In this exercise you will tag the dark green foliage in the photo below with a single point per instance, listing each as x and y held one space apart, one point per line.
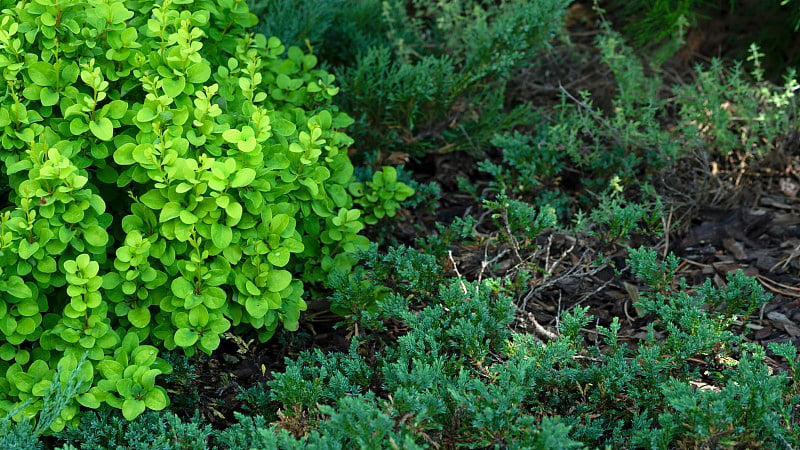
520 220
660 26
459 372
754 114
615 219
429 73
527 161
181 380
359 422
748 411
315 378
652 22
107 428
297 23
337 30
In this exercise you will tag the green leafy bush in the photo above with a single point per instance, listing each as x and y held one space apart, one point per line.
172 178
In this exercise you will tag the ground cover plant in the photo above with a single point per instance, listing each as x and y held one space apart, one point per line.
395 224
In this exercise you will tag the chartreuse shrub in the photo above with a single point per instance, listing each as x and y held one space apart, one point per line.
172 178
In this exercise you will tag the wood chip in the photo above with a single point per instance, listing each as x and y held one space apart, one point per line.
785 322
736 248
774 201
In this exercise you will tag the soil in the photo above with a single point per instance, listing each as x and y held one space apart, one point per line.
728 214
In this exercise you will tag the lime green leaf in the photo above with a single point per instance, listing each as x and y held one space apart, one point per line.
185 337
42 73
27 249
278 280
124 387
198 317
17 288
274 300
145 115
103 129
95 236
27 307
70 72
243 177
144 355
26 134
247 145
219 326
7 351
77 126
325 119
214 297
116 109
47 19
152 198
110 369
291 324
257 307
88 400
182 288
8 325
232 135
221 235
170 211
40 388
156 399
173 87
124 153
252 289
279 257
22 381
293 245
111 280
74 214
338 194
19 166
187 217
209 342
132 408
234 211
279 223
283 127
26 326
198 73
48 97
139 317
147 379
192 301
